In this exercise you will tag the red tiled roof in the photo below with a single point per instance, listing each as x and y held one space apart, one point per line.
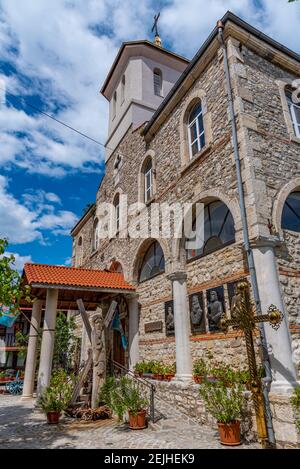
74 277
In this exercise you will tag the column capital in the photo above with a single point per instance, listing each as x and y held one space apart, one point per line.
180 275
131 296
265 242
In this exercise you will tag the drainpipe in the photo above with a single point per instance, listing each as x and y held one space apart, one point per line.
263 342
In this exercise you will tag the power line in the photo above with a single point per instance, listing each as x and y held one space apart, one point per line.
53 118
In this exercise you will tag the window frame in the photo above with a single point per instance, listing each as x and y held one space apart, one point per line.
199 134
95 239
222 245
158 73
153 244
117 213
148 189
114 105
295 122
123 84
286 203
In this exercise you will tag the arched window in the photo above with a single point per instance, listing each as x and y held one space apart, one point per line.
117 168
95 238
114 105
295 112
79 253
196 130
153 262
123 83
117 212
218 229
291 213
157 82
148 179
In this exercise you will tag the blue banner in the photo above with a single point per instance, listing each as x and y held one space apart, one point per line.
7 318
117 326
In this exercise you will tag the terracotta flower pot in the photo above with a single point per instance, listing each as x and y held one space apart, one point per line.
138 421
198 379
230 433
168 376
53 417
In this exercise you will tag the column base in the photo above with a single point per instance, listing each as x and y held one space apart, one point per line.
182 379
26 398
284 387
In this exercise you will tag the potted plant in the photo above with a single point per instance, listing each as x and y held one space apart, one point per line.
225 404
200 370
169 372
158 371
139 369
2 376
124 396
56 397
295 400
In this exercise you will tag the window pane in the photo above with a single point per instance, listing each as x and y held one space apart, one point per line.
195 112
202 141
291 213
218 212
193 132
297 114
195 148
153 262
200 123
218 229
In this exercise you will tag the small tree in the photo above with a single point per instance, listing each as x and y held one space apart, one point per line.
65 341
12 289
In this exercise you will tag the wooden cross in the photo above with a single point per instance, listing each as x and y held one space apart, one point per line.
154 27
244 319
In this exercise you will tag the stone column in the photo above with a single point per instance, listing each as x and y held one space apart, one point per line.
279 342
47 340
32 350
182 327
133 307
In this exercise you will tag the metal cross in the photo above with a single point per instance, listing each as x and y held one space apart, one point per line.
154 27
244 319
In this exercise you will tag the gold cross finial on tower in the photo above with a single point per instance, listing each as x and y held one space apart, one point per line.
157 39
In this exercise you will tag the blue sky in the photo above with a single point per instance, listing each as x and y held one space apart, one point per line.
56 54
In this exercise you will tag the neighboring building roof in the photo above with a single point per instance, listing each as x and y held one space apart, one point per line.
45 275
226 18
138 43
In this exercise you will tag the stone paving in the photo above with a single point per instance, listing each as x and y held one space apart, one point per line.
21 426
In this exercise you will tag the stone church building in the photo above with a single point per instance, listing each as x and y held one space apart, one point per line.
172 138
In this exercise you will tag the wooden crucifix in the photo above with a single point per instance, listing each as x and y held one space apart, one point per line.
96 352
245 320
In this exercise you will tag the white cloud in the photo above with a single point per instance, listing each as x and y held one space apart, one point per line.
65 48
33 219
19 260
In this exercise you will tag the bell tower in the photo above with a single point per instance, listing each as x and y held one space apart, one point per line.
140 78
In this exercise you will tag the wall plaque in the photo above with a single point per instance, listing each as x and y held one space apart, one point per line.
156 326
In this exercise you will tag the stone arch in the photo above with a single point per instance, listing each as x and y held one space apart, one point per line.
280 200
141 181
191 100
139 256
207 196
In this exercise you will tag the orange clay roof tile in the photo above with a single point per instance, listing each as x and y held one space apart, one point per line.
74 277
